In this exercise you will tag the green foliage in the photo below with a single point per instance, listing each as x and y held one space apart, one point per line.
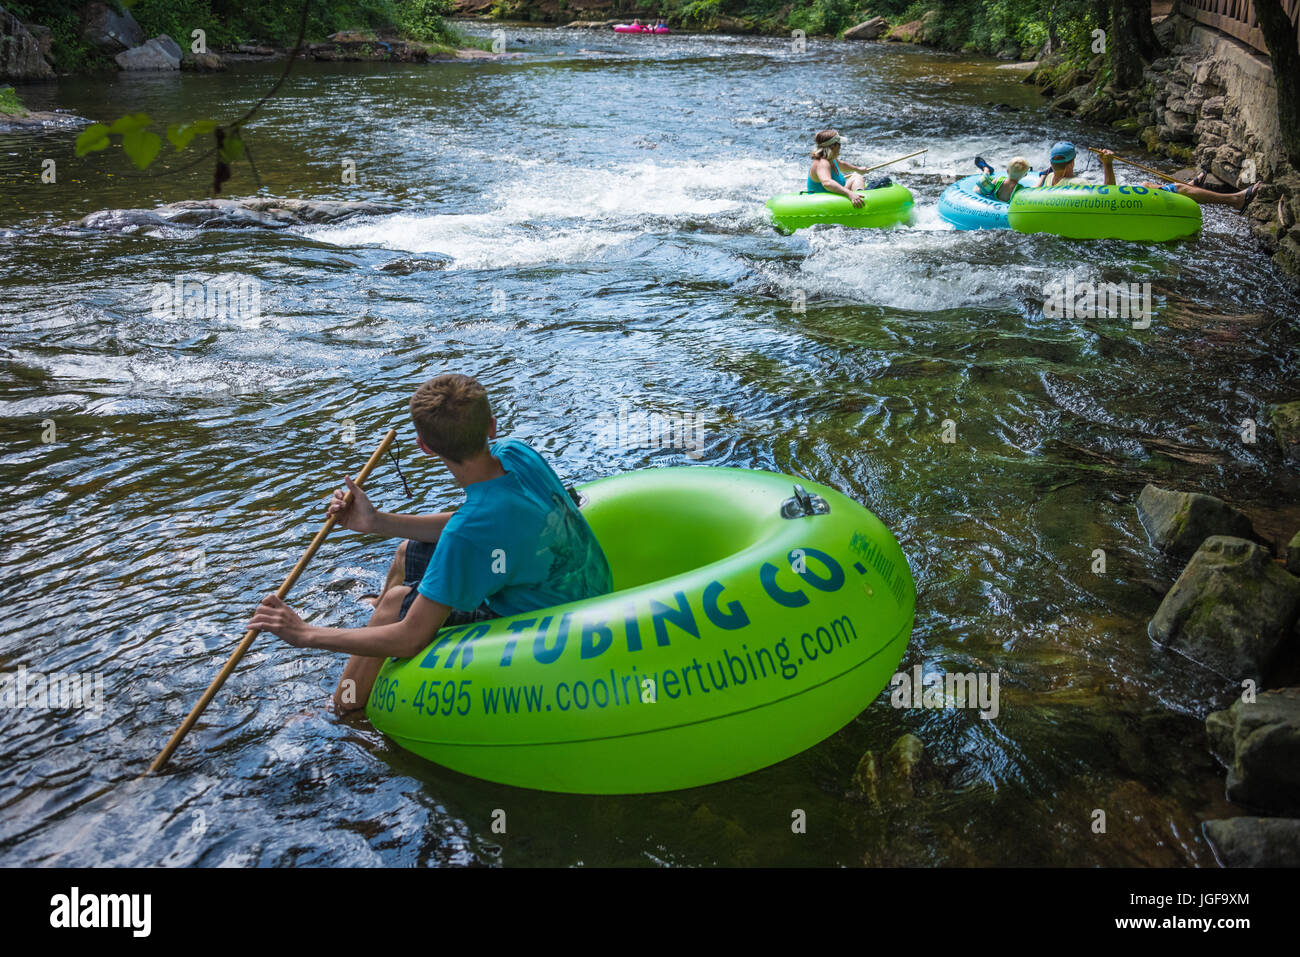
824 17
423 20
9 102
177 18
700 13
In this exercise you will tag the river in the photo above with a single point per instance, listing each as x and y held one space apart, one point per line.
583 229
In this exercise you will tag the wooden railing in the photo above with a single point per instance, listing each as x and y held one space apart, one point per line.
1236 18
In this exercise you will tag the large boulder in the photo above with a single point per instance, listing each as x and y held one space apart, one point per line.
904 32
1293 555
1178 522
109 30
1286 427
160 53
20 52
1259 743
1232 609
203 62
1255 841
867 29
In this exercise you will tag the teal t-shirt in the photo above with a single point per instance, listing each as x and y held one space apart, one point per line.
518 543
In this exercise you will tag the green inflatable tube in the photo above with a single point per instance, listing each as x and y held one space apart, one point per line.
886 206
1136 213
749 621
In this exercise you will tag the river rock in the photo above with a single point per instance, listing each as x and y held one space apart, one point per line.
867 29
1286 428
898 775
38 120
1231 609
203 62
1259 743
1178 522
109 30
1293 555
20 52
160 53
904 32
409 264
257 211
1255 841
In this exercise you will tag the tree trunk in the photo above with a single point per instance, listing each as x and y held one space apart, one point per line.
1127 58
1280 37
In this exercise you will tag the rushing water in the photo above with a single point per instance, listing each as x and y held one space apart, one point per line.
583 230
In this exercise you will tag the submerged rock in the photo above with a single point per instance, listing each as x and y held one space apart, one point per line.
1255 841
1259 744
1231 609
409 264
1286 427
37 120
257 211
900 774
1178 522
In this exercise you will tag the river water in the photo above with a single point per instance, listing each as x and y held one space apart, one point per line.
582 228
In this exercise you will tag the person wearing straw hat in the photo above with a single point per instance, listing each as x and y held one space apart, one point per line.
826 174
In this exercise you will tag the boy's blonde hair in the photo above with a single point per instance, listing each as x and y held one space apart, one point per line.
1018 167
452 416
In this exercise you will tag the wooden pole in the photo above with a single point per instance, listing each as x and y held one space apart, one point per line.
161 761
1145 169
893 161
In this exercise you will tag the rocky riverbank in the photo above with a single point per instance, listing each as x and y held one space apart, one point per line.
1209 103
1235 610
27 49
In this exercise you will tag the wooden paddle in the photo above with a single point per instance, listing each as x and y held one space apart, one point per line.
161 761
893 161
1145 169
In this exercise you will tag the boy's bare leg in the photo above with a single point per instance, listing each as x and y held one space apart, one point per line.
360 672
1207 197
396 570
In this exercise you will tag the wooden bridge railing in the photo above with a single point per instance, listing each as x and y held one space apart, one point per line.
1236 18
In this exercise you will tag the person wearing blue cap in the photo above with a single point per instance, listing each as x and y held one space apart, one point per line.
1062 172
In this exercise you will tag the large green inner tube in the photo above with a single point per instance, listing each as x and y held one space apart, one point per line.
735 638
1136 213
886 206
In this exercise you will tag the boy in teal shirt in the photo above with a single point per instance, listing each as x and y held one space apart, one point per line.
518 544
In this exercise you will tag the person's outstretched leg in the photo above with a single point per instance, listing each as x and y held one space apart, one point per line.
360 672
855 181
1207 197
